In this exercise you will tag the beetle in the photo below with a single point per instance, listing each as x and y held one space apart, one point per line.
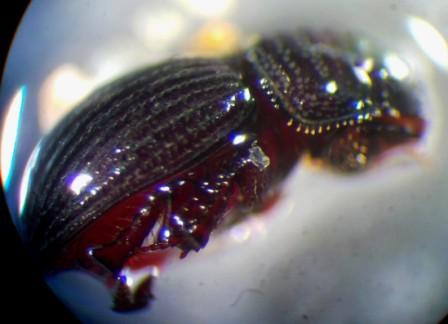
161 157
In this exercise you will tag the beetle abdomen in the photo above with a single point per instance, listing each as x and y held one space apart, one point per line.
134 132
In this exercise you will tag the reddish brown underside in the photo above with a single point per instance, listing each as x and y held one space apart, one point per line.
118 234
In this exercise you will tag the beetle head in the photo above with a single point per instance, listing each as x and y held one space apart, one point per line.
364 138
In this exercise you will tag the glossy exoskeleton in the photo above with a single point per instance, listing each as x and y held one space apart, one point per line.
159 158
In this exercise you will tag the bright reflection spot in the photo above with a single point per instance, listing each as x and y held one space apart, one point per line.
129 281
107 69
209 8
368 64
9 135
239 139
158 28
81 181
359 104
66 86
331 87
430 40
178 221
135 277
241 232
165 188
94 191
26 178
396 67
247 95
215 38
394 112
361 158
362 75
165 234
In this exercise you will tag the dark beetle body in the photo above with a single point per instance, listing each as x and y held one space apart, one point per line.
134 132
159 157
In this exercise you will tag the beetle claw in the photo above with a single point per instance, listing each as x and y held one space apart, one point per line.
128 298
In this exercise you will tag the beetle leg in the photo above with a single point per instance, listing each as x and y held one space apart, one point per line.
349 152
198 203
195 207
118 259
185 211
